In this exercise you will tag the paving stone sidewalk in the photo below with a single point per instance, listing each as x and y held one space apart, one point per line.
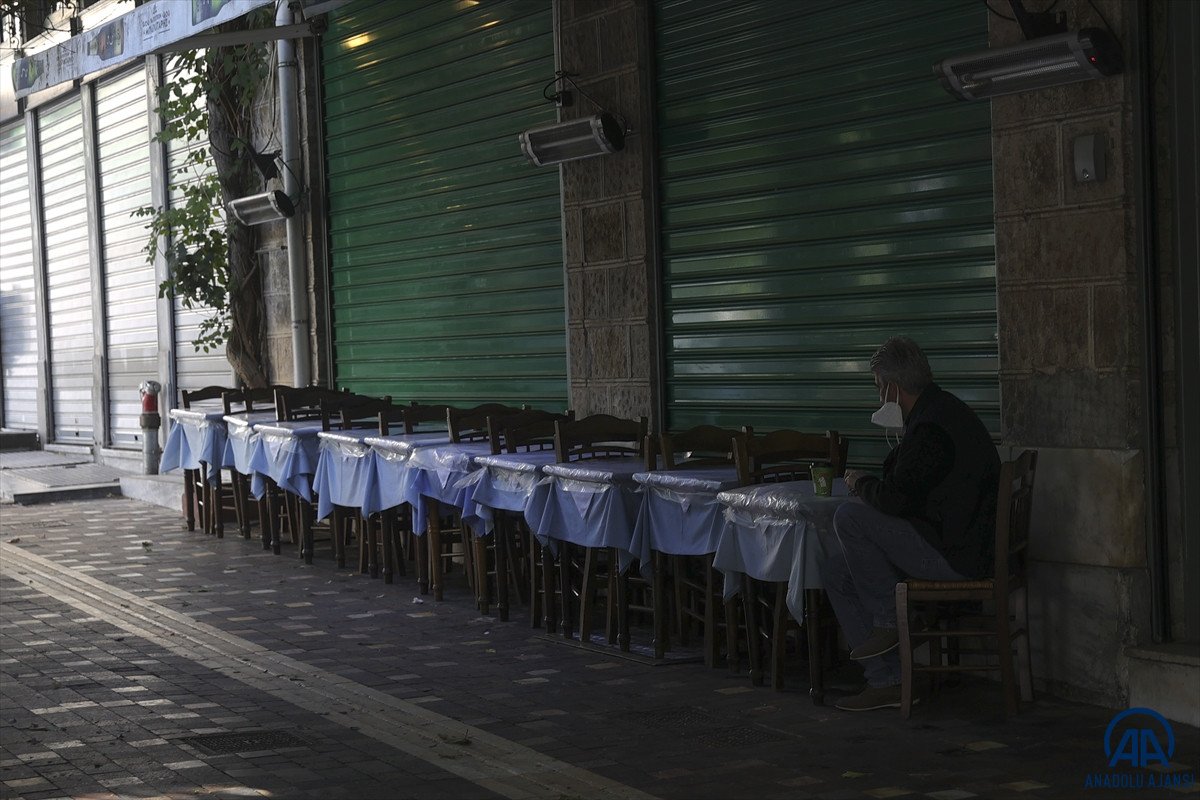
99 705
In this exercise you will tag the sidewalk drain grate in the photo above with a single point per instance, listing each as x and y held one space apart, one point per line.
247 741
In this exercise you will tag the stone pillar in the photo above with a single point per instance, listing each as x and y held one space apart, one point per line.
608 214
1069 327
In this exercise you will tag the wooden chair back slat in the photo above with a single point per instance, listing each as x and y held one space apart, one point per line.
787 455
699 446
530 429
599 436
197 395
470 424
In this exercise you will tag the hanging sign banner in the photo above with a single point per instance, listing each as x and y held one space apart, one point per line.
147 28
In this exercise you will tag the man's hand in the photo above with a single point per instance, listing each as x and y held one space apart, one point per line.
852 478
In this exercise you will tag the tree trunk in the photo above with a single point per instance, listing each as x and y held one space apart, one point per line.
229 127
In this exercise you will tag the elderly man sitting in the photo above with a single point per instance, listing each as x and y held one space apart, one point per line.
931 515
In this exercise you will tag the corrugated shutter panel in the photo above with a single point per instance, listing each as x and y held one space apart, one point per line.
18 309
446 246
123 134
821 192
194 368
68 270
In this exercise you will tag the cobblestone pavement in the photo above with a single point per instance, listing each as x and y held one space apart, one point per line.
128 646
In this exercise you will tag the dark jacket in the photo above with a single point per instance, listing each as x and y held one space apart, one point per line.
942 478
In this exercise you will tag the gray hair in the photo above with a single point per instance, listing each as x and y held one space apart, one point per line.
901 361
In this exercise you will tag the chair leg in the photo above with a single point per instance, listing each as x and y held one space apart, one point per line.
750 610
266 524
906 650
338 522
812 632
731 634
189 498
500 543
422 559
1024 664
587 588
433 513
660 617
779 628
564 588
379 522
216 509
1004 648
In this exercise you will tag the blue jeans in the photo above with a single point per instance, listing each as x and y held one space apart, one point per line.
866 555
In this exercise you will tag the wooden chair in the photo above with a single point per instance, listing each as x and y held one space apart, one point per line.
239 401
360 413
696 589
503 560
777 456
471 424
1005 594
596 436
204 496
309 403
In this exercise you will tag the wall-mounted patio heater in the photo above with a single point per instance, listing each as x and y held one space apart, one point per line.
1039 63
574 139
256 209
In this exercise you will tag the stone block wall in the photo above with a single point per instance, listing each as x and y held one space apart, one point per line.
1069 329
608 214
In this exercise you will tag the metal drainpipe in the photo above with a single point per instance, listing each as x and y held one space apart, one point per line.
289 125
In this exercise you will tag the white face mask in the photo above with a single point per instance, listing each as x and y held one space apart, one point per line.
889 415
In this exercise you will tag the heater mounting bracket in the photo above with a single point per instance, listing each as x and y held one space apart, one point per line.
1036 24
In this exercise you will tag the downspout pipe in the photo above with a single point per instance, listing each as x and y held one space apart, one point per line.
289 128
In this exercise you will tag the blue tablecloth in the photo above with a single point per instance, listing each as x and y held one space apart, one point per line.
197 435
394 481
345 473
772 533
593 503
287 452
502 482
679 513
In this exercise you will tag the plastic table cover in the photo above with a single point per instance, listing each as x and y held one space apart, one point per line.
241 441
680 514
287 452
435 472
345 473
592 503
772 532
392 482
197 436
502 482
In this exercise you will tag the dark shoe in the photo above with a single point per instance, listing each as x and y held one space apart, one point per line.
871 698
881 640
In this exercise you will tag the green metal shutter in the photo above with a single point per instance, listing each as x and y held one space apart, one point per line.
446 246
820 192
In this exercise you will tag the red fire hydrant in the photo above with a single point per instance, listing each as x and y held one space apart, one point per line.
150 422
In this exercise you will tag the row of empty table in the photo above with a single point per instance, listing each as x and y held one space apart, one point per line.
770 532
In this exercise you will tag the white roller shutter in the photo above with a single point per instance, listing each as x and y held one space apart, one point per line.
123 135
18 305
68 271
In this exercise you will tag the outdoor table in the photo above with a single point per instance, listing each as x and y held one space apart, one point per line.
772 533
345 478
392 488
591 503
196 443
505 483
287 453
433 473
240 444
680 514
